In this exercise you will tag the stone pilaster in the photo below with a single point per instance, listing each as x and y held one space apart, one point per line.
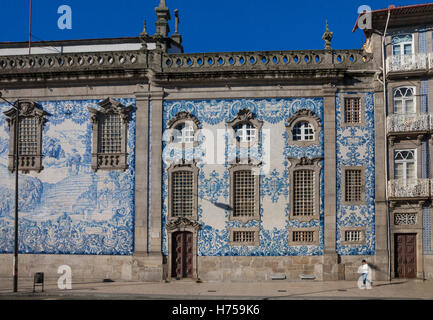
330 257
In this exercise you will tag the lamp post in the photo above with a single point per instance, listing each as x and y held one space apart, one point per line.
16 154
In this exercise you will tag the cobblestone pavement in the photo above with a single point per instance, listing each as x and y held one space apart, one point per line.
268 290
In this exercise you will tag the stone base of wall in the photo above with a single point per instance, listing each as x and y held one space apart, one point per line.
128 268
264 268
151 268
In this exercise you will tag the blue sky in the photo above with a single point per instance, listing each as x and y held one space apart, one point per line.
206 26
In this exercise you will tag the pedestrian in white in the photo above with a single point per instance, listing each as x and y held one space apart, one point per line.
365 280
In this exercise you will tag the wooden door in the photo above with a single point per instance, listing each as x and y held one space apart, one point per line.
405 255
182 255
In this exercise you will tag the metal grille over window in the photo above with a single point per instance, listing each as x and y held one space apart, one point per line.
353 183
303 131
401 219
110 134
303 236
244 193
353 236
182 194
303 193
243 236
352 110
28 142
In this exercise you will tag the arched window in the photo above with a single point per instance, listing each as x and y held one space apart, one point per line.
404 100
245 132
303 128
184 133
246 128
303 131
183 130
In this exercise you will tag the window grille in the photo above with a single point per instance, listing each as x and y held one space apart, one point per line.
353 182
244 236
303 236
244 193
110 134
182 193
245 132
303 200
405 219
303 131
352 110
353 235
28 142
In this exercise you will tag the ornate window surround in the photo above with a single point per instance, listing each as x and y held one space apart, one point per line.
114 161
306 164
256 242
241 167
343 238
304 115
183 117
245 116
343 186
315 231
184 166
27 108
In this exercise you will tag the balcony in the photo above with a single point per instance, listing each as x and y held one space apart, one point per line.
413 189
420 123
408 62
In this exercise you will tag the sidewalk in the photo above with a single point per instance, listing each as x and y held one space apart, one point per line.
281 289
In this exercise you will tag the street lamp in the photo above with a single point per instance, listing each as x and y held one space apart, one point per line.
16 153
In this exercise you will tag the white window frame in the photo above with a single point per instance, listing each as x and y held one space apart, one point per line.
183 135
404 99
303 127
402 44
405 162
241 132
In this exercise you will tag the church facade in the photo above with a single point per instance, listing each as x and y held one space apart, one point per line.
138 161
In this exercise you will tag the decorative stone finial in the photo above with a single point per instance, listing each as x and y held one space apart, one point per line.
144 33
162 4
176 15
176 36
327 37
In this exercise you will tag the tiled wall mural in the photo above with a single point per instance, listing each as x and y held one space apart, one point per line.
355 147
67 208
213 183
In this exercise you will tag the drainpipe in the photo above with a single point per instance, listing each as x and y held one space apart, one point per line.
385 100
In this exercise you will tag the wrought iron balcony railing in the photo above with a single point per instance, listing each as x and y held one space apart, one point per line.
406 123
407 62
409 188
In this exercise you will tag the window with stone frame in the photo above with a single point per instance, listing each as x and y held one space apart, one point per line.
244 236
303 193
353 182
352 235
30 130
305 190
245 128
303 128
110 125
404 100
182 193
182 130
244 193
352 110
303 236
